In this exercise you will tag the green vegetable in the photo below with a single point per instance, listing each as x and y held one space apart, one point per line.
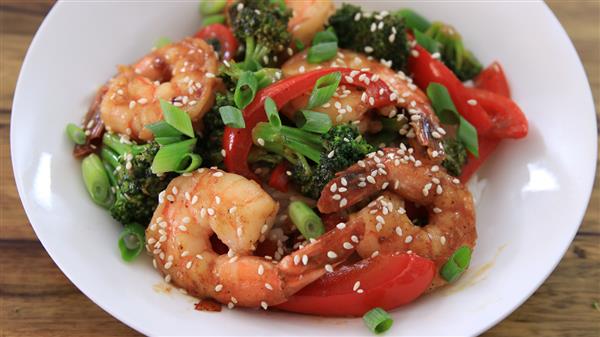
324 89
136 186
299 45
245 89
262 26
596 305
324 47
287 141
313 121
306 220
173 157
212 19
177 118
378 320
413 20
210 147
131 241
76 134
232 117
163 129
96 180
361 32
272 113
426 42
210 7
457 264
446 111
456 156
453 53
162 41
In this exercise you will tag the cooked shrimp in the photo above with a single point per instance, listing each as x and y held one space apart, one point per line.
240 213
424 122
387 228
182 73
308 18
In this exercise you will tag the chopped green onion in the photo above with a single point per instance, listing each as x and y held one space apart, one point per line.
306 220
299 45
111 175
413 20
189 162
276 140
168 140
427 42
212 19
110 157
272 113
267 76
313 121
209 7
169 157
324 36
322 52
177 118
457 264
324 89
280 3
76 134
232 117
162 41
131 241
96 180
378 320
245 89
163 129
447 113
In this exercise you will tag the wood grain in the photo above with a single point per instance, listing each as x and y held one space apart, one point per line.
36 299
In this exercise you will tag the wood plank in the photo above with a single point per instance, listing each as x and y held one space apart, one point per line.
38 300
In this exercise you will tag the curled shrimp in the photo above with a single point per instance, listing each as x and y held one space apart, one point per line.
308 18
425 126
385 226
181 73
240 213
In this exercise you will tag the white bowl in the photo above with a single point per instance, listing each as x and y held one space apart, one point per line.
534 198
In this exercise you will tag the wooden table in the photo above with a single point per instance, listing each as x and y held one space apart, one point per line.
37 299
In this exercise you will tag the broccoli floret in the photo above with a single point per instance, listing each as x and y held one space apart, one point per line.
299 147
456 156
378 35
453 53
210 146
262 26
136 187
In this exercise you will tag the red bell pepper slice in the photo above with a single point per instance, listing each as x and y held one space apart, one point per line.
238 142
486 147
387 281
493 79
224 35
509 121
279 179
426 69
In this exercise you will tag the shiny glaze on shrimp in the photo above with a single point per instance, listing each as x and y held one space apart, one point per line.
182 73
308 18
240 213
387 228
424 122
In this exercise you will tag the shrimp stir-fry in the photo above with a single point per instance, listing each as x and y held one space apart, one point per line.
240 213
181 73
347 105
387 228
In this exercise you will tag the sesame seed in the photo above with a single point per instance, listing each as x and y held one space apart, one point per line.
268 286
378 227
371 101
435 180
182 228
331 254
336 197
210 211
347 245
305 259
210 75
329 268
168 265
168 278
131 104
199 257
435 168
296 259
443 240
414 53
472 102
379 218
301 69
331 154
218 287
368 49
375 253
217 199
232 209
341 225
260 141
264 305
408 239
344 181
333 188
343 189
354 238
371 179
456 181
399 231
360 291
188 265
343 202
437 210
439 189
